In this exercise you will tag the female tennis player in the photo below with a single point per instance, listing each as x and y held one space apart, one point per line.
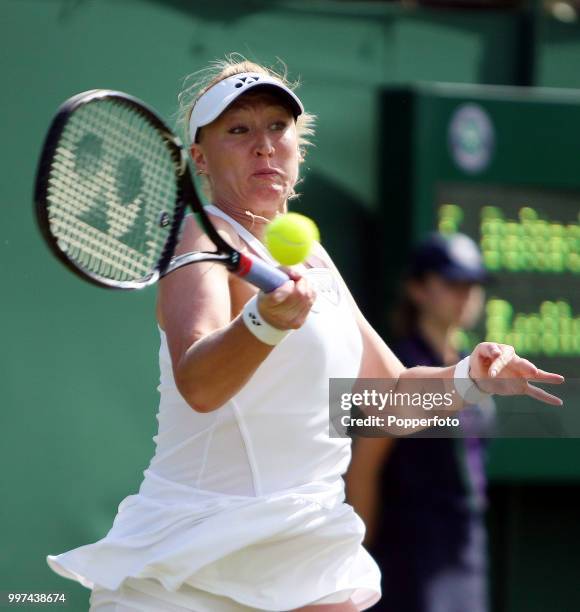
242 506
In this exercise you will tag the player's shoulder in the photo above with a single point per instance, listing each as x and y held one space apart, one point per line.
196 233
321 253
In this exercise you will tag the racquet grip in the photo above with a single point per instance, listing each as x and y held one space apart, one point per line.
259 273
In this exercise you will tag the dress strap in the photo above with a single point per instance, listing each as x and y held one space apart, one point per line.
243 233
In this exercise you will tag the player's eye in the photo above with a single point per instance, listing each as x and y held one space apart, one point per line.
238 129
279 125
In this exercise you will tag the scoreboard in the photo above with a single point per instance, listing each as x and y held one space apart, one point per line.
530 244
502 165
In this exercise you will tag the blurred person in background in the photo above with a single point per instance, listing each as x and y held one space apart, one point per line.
423 499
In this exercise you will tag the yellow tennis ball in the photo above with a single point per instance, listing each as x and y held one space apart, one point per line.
290 237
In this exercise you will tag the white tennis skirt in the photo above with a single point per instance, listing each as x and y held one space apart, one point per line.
146 595
196 550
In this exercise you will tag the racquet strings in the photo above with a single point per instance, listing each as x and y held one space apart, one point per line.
112 189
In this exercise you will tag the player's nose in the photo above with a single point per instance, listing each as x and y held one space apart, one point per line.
263 146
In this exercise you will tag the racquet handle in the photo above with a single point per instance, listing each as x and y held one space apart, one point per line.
260 273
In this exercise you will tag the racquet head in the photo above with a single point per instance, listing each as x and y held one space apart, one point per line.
112 187
111 190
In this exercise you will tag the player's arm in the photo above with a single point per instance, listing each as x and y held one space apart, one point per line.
212 355
495 366
363 480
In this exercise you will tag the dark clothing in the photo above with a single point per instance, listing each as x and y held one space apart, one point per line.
431 541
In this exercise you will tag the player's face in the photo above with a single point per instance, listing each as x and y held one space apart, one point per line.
250 154
456 304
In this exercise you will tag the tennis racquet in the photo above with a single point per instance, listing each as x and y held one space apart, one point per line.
112 188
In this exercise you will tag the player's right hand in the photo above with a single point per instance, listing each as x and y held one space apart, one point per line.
287 306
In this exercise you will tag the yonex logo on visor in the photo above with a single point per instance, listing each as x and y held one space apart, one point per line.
218 97
244 80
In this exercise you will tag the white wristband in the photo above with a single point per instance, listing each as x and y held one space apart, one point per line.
465 385
266 333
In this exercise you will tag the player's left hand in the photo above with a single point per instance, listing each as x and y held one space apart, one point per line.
497 369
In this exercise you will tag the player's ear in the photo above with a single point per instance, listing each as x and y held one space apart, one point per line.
198 158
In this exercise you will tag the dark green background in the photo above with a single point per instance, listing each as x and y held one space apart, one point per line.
79 365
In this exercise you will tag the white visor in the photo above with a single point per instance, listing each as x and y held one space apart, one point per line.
217 98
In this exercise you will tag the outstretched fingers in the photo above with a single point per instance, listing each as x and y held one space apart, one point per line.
492 359
542 396
522 367
548 377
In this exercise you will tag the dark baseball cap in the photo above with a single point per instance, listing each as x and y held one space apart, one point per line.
455 257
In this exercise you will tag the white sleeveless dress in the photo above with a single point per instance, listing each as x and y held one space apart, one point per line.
245 503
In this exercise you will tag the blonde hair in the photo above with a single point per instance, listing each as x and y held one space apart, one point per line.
197 83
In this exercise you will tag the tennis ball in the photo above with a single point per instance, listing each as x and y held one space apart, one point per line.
290 237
